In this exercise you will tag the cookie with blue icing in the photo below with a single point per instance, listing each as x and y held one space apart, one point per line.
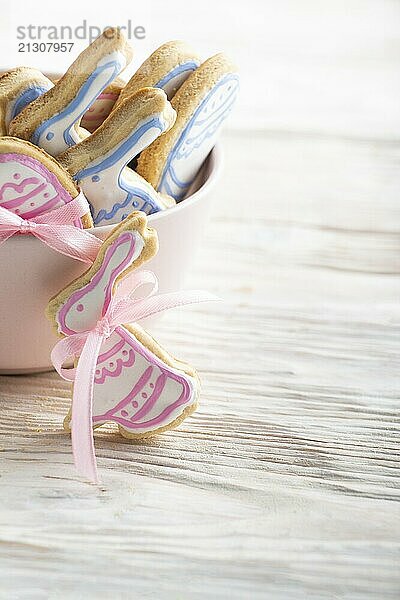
202 103
167 68
98 163
52 121
18 88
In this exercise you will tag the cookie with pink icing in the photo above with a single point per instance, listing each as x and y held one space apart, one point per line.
137 384
102 106
52 121
98 163
33 183
18 88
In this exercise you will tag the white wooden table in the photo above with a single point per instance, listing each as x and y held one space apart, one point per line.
285 483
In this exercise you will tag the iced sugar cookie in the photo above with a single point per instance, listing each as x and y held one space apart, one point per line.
167 68
18 88
98 164
202 103
137 384
52 121
102 106
32 182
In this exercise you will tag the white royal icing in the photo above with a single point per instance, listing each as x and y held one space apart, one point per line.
27 188
198 138
119 370
132 386
86 311
173 80
115 190
58 133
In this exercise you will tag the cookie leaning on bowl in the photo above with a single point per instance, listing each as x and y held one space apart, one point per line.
18 88
33 183
97 164
167 68
52 121
202 103
137 384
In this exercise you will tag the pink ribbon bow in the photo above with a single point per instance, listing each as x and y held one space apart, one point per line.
123 308
53 229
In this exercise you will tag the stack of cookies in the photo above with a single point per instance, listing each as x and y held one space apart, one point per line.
128 147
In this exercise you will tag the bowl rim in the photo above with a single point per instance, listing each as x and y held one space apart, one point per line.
212 165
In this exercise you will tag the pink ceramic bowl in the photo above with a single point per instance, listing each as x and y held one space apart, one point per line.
31 273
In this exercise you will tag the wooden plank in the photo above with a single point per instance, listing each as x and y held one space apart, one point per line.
285 483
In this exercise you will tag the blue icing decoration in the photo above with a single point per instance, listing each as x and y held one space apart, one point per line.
189 140
122 150
76 102
136 196
148 205
27 96
183 68
95 178
50 135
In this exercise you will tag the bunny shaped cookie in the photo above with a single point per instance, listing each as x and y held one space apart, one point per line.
98 163
52 120
137 384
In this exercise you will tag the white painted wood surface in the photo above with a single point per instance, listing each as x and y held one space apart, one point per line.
285 484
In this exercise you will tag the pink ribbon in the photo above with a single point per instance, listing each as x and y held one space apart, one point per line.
52 229
123 308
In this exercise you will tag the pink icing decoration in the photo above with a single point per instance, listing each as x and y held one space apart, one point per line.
119 365
171 389
80 294
126 404
137 404
32 188
96 114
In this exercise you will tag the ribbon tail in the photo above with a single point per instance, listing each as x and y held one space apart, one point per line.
146 307
82 401
68 347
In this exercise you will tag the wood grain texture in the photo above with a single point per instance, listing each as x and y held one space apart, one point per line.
285 483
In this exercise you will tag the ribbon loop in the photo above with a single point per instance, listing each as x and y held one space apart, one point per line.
123 308
55 229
